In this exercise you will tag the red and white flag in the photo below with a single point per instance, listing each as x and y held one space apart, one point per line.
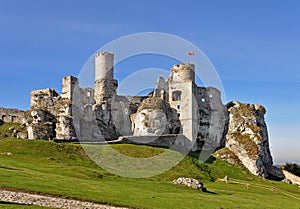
190 53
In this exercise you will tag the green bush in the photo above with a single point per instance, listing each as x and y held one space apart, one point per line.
292 168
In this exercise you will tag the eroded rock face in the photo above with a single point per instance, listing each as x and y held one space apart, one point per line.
155 117
40 124
247 138
289 177
151 122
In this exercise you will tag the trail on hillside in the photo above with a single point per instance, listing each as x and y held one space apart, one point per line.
31 198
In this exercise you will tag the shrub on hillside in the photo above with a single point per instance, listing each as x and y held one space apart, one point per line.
292 168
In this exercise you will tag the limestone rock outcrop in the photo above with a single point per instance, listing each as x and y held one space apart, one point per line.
190 182
22 135
289 177
247 138
155 117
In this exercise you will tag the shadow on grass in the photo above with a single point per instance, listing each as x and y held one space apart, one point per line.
196 155
209 192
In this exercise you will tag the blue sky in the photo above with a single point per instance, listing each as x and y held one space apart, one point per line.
254 45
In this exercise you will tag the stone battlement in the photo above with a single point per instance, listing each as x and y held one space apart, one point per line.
103 54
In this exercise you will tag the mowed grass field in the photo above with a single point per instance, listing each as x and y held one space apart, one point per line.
65 170
9 205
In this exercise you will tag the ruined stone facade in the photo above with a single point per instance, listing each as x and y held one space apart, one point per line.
178 113
176 106
9 115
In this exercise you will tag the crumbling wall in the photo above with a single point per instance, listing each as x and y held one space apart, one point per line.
50 114
212 119
43 99
64 128
161 89
41 117
122 111
40 124
9 115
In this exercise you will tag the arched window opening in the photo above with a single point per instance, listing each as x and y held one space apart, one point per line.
176 95
13 119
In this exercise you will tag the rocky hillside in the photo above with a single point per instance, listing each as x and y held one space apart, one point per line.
247 139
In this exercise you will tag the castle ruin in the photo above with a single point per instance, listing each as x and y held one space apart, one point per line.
9 115
177 106
176 114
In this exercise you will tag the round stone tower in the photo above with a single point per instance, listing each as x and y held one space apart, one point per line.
182 98
105 84
183 72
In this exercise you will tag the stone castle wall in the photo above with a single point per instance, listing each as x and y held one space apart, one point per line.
177 112
9 115
212 119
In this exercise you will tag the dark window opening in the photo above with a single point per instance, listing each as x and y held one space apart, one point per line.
176 95
13 119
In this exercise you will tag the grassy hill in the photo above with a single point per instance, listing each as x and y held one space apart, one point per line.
65 170
4 128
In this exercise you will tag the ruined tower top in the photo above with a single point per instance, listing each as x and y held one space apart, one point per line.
68 85
183 72
104 66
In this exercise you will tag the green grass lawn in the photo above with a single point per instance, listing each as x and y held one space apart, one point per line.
9 205
65 170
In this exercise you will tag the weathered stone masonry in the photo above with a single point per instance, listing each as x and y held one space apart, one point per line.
9 115
176 109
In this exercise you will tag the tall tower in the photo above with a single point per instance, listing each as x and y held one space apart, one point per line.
182 97
68 85
105 84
